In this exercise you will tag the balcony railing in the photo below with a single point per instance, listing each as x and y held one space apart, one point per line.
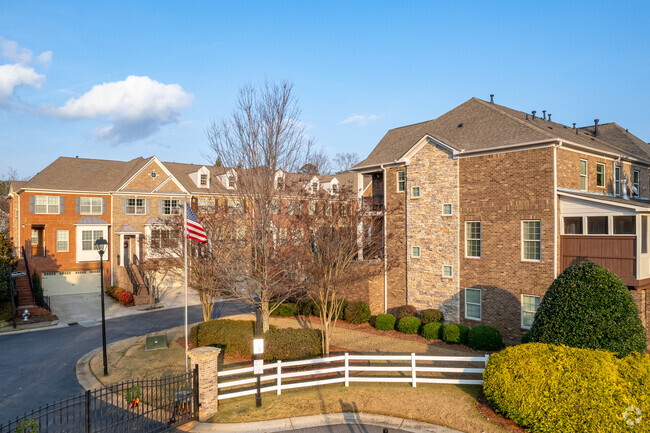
373 204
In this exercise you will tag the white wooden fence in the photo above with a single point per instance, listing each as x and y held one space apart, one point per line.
396 364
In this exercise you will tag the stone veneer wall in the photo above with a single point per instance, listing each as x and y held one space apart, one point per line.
502 190
395 209
436 173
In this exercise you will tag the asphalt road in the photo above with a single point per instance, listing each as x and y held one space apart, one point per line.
39 367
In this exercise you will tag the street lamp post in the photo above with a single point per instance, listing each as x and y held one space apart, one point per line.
101 245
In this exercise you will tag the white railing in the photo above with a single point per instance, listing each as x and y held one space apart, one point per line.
356 364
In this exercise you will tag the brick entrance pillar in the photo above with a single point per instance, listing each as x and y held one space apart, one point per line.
206 359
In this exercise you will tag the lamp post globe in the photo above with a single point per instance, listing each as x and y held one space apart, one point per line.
101 245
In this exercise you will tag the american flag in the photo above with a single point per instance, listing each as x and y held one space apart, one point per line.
193 227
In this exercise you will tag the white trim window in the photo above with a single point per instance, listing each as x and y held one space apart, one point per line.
46 204
473 239
529 306
135 206
171 207
617 180
600 175
90 206
416 252
62 241
635 183
415 192
531 240
86 238
203 179
235 206
447 271
401 181
583 175
473 309
206 204
447 209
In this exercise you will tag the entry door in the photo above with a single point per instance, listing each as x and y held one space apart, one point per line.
127 253
37 243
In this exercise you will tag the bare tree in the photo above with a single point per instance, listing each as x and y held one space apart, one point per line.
344 161
265 138
319 163
12 174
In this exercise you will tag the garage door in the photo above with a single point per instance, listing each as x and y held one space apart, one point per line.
67 283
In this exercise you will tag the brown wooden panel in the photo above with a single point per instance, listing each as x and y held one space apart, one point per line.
616 253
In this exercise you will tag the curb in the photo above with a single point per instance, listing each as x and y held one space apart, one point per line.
43 326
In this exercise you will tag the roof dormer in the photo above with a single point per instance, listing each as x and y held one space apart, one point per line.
229 179
314 185
201 177
280 179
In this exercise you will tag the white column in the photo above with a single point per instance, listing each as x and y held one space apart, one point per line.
121 250
137 247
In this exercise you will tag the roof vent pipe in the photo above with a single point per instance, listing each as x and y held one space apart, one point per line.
526 116
596 126
544 112
549 117
534 114
491 98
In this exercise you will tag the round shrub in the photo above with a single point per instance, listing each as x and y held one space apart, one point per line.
385 322
357 313
549 388
588 306
406 311
455 334
431 330
288 309
307 307
409 325
483 337
432 315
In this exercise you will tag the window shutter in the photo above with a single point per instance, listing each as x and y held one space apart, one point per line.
104 203
77 207
62 205
160 206
147 206
124 206
31 204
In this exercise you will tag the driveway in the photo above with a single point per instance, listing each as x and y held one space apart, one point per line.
39 367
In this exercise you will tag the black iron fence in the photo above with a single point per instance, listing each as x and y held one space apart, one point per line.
135 406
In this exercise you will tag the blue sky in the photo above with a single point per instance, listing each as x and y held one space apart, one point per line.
65 66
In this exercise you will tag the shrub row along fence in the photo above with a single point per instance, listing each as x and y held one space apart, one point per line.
413 369
134 406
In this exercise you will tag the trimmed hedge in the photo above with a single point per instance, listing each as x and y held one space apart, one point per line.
455 334
406 311
357 313
409 325
483 337
432 330
588 306
288 309
551 388
385 322
432 315
307 307
235 337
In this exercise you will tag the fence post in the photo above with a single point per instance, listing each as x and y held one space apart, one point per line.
206 358
279 380
413 368
88 411
347 371
487 358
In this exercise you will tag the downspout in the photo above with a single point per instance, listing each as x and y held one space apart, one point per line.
555 214
385 240
112 244
406 235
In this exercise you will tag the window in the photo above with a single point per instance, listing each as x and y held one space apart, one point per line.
335 188
447 271
624 225
135 206
446 209
617 180
240 235
206 204
204 179
312 208
282 236
296 235
88 239
231 181
35 237
279 182
473 304
235 206
600 175
635 183
415 192
532 240
62 241
275 207
90 206
529 306
328 209
314 187
46 204
401 181
572 225
162 238
415 252
597 225
583 175
293 207
473 239
171 207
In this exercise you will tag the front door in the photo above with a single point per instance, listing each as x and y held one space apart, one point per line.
127 253
37 243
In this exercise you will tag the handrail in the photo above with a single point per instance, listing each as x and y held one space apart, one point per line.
29 275
134 280
145 280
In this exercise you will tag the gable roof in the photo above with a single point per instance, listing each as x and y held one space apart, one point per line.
480 125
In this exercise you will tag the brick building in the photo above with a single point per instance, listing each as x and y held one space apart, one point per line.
485 206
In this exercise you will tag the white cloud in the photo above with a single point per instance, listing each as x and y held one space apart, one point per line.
12 76
359 119
137 107
10 50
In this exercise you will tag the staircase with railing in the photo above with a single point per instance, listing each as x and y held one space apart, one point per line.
139 280
28 297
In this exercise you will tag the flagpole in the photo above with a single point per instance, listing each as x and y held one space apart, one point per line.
185 233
